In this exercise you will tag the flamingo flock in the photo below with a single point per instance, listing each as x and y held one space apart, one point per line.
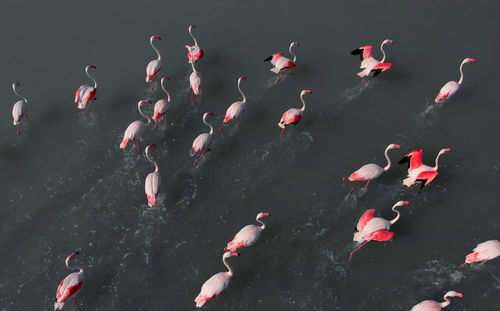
369 228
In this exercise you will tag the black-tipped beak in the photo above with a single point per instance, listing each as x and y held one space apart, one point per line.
268 59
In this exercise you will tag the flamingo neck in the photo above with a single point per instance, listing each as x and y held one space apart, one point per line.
436 166
153 162
291 52
156 50
262 223
209 125
192 36
397 216
241 92
446 302
461 73
383 52
142 114
303 102
74 267
388 166
229 270
166 92
88 75
192 65
14 88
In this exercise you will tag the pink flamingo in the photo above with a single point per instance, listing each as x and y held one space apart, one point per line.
135 130
85 93
282 63
375 228
370 171
483 252
248 235
432 305
215 285
202 142
153 180
20 108
293 115
236 108
70 285
419 172
195 82
154 66
451 87
162 106
195 49
370 65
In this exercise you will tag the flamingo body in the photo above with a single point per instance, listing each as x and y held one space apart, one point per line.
432 305
161 108
135 130
291 116
202 142
84 95
69 285
248 235
195 81
484 251
152 187
19 111
234 111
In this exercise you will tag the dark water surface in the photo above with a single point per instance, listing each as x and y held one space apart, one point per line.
67 186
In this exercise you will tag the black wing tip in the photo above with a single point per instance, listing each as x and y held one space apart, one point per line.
356 52
268 59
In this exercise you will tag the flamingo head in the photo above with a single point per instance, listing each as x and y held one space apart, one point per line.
191 27
154 38
387 41
230 254
305 92
16 84
71 256
90 67
453 293
408 156
263 214
164 78
144 101
207 114
241 78
444 150
150 146
402 203
294 43
469 60
394 146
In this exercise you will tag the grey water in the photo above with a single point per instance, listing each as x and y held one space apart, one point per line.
66 185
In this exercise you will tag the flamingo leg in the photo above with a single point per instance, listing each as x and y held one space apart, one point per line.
282 131
346 180
279 79
192 96
352 253
366 186
484 261
138 146
463 265
156 124
18 129
199 158
27 118
220 128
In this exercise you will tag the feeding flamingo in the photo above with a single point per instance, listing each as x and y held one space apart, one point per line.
483 252
153 180
419 172
135 130
248 235
20 108
236 109
215 285
154 66
293 115
162 106
375 228
370 65
432 305
86 93
281 63
70 285
195 82
195 49
370 171
451 87
202 142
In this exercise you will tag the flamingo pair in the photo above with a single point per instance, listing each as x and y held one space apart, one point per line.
293 115
419 172
371 66
372 228
281 63
432 305
154 66
85 94
135 130
451 87
20 108
69 285
202 142
371 171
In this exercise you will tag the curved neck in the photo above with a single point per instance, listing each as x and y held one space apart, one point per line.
191 34
383 52
142 114
291 52
209 125
156 50
262 223
461 73
388 166
192 65
14 88
166 92
229 270
153 162
446 302
397 216
74 267
88 75
303 102
436 166
239 89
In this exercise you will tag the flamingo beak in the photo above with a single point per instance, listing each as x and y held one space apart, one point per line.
397 146
155 38
93 66
210 113
243 78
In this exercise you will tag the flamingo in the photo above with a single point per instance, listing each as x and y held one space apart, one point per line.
195 49
162 106
483 252
215 285
370 171
375 228
419 172
195 82
135 130
248 235
293 115
202 142
20 108
432 305
154 66
236 109
282 63
451 87
85 93
153 180
370 65
70 285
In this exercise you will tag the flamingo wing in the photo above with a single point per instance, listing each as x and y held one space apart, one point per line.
152 187
212 287
365 218
377 69
364 52
447 90
381 235
195 82
152 69
427 177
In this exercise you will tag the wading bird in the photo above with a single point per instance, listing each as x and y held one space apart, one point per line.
432 305
236 109
202 142
20 108
483 252
419 172
195 49
370 65
162 106
154 66
195 82
293 115
451 87
281 63
248 235
135 130
153 180
85 94
70 285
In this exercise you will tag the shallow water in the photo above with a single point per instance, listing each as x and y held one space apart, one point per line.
67 186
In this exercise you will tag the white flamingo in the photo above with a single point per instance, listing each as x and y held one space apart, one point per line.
195 81
202 142
248 235
85 93
282 63
236 109
370 65
154 66
293 115
20 108
135 130
194 50
483 252
451 87
153 180
69 285
162 106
